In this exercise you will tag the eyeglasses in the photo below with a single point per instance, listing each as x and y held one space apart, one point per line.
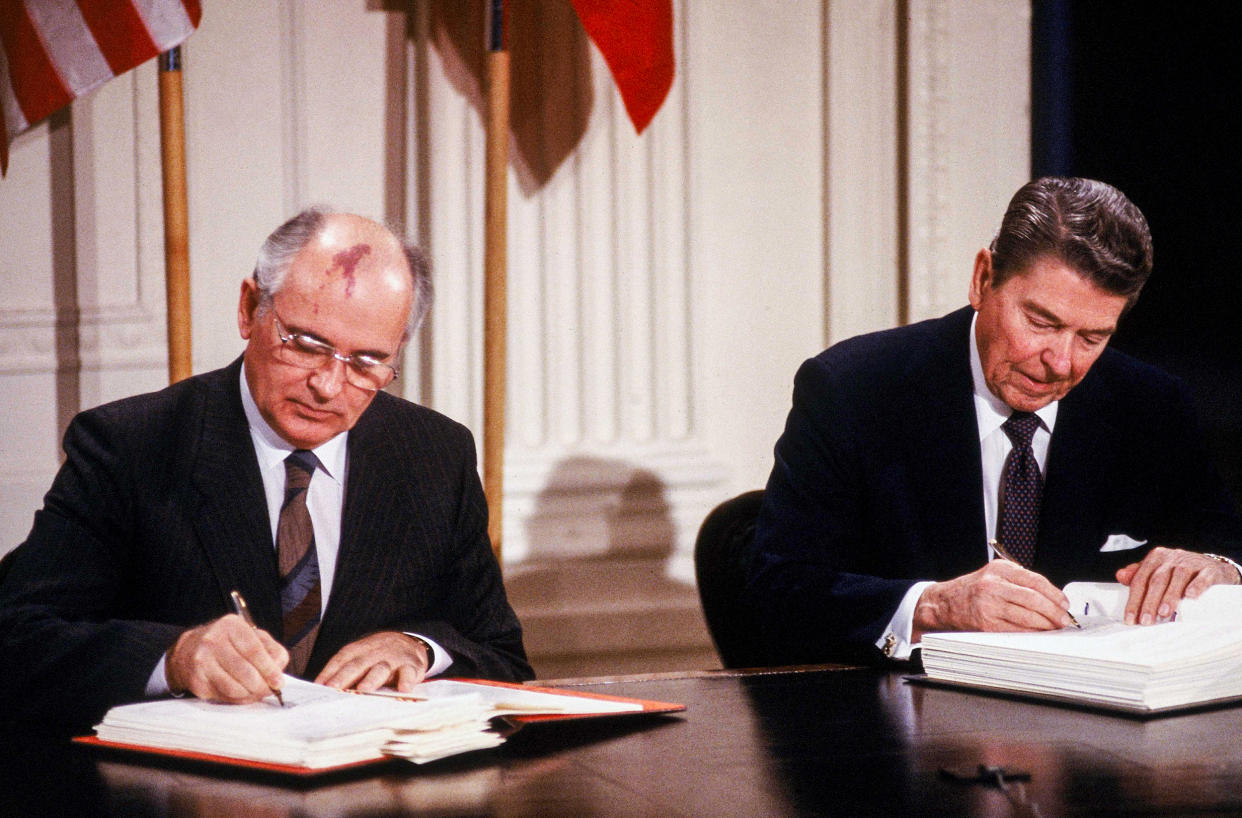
308 352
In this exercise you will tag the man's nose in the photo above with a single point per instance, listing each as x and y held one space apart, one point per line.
1058 354
329 379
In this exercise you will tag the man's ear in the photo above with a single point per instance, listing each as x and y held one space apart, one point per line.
981 278
247 307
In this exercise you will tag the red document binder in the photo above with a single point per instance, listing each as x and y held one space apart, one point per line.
513 722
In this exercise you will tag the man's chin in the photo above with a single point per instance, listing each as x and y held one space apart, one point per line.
309 432
1026 402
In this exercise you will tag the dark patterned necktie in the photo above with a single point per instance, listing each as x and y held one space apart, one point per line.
299 564
1021 488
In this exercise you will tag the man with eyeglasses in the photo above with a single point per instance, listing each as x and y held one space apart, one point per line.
351 523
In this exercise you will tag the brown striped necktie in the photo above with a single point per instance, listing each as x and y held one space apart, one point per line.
299 564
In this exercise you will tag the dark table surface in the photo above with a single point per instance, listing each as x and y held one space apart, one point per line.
808 742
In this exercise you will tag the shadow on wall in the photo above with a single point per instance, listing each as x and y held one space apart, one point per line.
65 272
597 507
594 594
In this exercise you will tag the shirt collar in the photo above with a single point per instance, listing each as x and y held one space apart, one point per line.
271 448
991 411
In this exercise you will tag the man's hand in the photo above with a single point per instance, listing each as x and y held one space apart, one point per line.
226 661
1000 596
1165 577
383 658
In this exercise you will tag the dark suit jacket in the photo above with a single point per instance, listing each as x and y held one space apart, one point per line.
158 512
877 483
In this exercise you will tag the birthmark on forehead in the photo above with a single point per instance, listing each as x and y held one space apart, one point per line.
348 260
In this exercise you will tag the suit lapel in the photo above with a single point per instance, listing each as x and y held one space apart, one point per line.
366 515
1082 462
944 446
231 518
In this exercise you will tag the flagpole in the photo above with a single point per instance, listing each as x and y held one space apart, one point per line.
176 218
495 271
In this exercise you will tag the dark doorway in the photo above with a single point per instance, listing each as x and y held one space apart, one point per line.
1146 96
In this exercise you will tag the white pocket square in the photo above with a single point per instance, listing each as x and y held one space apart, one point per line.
1120 542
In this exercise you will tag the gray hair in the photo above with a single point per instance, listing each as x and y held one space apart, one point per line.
286 241
1088 225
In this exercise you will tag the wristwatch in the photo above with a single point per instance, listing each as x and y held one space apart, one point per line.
1227 561
431 654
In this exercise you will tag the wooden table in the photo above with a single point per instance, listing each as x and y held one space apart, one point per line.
806 742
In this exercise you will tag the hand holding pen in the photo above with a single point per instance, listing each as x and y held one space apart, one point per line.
239 605
1003 554
226 660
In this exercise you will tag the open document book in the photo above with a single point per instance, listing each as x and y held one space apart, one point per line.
1194 659
320 728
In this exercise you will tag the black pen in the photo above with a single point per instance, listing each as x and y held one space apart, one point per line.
1003 554
239 605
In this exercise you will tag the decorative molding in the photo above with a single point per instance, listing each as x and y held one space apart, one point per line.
969 126
862 195
118 336
929 189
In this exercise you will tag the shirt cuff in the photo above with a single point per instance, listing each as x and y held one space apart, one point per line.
440 658
895 643
157 684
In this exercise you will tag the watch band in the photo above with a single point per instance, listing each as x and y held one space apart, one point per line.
1227 561
431 653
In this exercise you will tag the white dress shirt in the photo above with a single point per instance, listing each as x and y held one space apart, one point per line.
994 445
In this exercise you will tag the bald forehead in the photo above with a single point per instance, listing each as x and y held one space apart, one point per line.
349 249
345 230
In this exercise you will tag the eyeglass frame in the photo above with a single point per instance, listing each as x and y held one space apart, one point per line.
330 353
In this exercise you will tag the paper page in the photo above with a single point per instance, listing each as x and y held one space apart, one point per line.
313 716
513 701
1108 600
1100 642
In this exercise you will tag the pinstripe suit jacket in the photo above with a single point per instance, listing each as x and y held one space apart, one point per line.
158 512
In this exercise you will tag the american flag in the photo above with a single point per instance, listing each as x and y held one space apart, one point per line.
54 51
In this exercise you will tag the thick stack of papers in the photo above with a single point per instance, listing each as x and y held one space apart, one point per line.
1194 659
321 728
318 727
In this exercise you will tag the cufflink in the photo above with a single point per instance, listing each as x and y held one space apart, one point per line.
890 644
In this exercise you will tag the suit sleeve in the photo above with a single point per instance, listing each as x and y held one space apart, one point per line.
69 650
480 630
805 586
1197 511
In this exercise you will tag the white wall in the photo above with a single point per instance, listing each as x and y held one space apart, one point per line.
756 90
758 219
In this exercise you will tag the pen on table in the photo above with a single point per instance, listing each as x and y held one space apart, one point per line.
239 605
1003 554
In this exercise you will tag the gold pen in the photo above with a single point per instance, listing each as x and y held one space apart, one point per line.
1003 554
239 605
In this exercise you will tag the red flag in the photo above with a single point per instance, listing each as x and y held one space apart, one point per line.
54 51
636 39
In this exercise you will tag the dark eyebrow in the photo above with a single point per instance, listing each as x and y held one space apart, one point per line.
1055 319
